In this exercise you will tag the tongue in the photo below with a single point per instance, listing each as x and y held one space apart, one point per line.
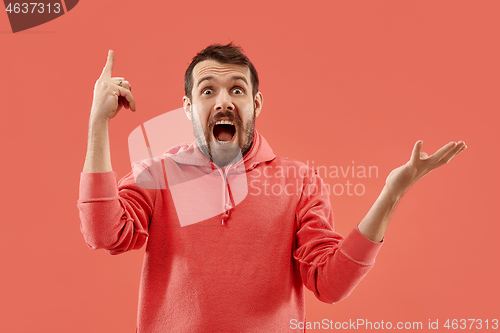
223 132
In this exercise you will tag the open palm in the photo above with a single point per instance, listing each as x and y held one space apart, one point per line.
420 164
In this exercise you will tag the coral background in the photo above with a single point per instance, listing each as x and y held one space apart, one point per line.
344 83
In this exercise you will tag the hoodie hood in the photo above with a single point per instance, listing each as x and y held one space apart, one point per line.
201 189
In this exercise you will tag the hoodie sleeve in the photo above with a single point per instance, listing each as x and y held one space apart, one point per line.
330 266
114 217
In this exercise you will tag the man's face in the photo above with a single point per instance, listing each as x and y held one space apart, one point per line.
222 110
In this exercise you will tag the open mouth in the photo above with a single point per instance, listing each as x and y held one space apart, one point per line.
224 131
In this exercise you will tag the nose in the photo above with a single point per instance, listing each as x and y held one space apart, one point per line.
224 102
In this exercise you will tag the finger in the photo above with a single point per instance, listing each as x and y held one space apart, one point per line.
124 102
438 155
125 84
463 148
108 68
120 104
450 154
128 95
460 147
415 155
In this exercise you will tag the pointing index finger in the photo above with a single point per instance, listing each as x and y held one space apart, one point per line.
108 68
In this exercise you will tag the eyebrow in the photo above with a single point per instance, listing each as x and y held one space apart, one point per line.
234 78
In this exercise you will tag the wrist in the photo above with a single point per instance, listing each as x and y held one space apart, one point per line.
393 194
96 119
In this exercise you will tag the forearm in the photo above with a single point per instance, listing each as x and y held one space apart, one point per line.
111 219
98 157
375 222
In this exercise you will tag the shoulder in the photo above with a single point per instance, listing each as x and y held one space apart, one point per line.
292 168
285 161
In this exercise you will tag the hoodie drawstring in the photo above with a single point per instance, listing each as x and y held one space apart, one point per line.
226 201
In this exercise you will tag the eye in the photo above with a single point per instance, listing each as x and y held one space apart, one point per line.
238 91
207 91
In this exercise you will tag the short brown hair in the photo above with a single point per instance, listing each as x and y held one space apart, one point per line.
225 54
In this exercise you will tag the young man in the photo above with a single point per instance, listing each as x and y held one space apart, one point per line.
225 254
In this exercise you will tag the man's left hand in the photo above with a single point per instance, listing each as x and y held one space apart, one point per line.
420 164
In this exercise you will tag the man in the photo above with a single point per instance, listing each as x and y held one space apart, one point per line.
230 260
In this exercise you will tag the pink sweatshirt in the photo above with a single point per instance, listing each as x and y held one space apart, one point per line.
228 250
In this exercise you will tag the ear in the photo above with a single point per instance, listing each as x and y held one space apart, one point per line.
258 102
187 106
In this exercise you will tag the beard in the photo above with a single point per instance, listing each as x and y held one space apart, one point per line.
224 154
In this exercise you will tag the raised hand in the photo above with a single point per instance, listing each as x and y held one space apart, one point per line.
420 164
111 93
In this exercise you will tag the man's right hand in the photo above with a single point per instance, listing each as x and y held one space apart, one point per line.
109 94
109 97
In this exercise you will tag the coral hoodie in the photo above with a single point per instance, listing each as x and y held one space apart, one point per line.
228 249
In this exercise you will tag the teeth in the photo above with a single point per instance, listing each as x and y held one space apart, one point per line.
224 122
